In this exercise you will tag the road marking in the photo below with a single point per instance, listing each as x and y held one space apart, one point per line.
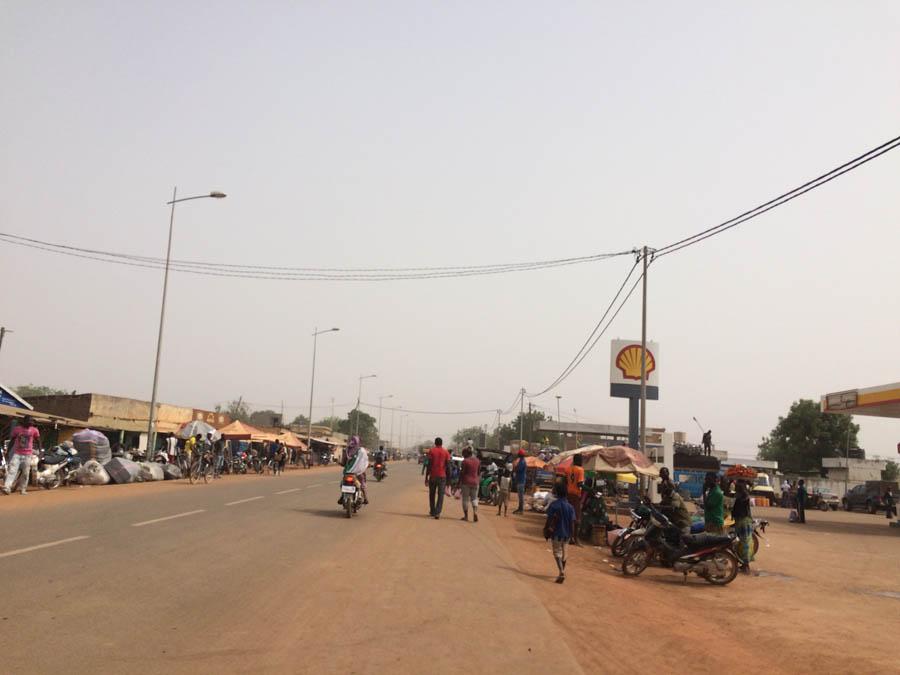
284 492
243 501
316 485
159 520
40 546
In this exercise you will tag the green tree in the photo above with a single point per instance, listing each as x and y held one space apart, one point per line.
300 420
368 429
510 432
468 433
891 471
330 422
238 410
805 436
26 391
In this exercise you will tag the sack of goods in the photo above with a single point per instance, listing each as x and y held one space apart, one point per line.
171 471
92 473
151 471
123 470
92 444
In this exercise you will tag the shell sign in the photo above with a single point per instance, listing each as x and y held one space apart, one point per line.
625 365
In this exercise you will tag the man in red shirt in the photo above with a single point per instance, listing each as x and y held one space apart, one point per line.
436 476
21 445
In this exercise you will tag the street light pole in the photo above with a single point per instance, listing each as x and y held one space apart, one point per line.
392 428
358 399
559 423
151 431
312 383
380 401
643 431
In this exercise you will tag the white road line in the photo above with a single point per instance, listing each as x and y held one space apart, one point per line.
40 546
284 492
242 501
159 520
316 485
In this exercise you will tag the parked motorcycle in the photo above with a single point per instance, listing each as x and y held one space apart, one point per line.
56 467
239 463
489 488
380 473
640 518
351 495
708 556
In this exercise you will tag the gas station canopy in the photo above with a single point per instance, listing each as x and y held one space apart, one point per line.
883 401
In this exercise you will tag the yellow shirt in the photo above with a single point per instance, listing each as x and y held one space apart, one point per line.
190 445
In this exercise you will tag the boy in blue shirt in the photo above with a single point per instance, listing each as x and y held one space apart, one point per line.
559 527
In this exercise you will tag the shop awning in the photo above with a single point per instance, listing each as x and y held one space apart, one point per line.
614 459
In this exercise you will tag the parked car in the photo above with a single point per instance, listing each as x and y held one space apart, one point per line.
868 495
828 500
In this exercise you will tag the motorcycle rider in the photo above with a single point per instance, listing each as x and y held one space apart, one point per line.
381 458
355 460
674 508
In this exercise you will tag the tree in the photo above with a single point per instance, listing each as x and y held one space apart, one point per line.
301 420
473 434
330 422
265 418
510 432
368 429
238 410
26 391
805 436
891 471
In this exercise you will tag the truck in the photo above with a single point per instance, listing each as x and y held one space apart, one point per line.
868 496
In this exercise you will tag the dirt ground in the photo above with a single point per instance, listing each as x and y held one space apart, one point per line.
824 598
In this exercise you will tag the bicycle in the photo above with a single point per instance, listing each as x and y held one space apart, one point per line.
202 469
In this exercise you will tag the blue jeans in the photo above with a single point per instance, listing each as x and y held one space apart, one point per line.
520 488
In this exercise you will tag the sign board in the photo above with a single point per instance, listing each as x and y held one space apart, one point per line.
625 369
842 400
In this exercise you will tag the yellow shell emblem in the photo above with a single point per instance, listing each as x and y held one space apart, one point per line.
629 362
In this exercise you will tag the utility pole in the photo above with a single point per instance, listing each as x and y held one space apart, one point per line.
3 331
521 415
643 428
499 441
559 424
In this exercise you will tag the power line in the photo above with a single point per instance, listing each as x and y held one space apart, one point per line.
299 273
790 195
493 411
581 353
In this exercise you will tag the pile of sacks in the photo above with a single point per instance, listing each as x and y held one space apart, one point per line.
120 470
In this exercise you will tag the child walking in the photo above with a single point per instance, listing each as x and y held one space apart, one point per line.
559 528
503 502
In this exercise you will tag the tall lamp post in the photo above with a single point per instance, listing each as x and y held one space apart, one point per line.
358 399
312 384
559 424
151 431
380 401
392 426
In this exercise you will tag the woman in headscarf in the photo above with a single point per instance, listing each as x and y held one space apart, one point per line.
743 525
356 461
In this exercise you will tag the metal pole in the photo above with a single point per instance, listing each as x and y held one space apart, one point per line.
643 431
559 424
521 415
391 441
847 478
358 399
312 385
151 431
3 333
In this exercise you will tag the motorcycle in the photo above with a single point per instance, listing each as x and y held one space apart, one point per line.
239 463
161 457
640 518
489 488
708 556
593 512
56 468
351 495
380 473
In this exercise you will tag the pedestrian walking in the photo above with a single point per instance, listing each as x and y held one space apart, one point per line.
21 446
436 477
802 499
743 525
574 481
890 505
505 480
519 473
559 528
713 505
468 483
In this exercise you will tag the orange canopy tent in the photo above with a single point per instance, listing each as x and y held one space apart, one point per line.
242 431
290 439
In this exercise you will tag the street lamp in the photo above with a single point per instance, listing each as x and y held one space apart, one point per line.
359 398
392 425
312 384
151 432
380 399
559 423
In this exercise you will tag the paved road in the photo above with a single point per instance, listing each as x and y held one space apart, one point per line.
262 574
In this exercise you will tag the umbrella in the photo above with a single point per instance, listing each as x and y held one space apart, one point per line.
195 427
626 478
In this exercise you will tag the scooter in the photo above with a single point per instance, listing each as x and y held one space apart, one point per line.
351 495
710 557
56 468
640 518
379 472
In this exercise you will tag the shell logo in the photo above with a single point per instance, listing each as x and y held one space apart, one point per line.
629 362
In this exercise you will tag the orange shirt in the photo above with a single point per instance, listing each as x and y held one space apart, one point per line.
574 476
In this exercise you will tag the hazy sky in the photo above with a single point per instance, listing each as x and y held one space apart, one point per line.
410 133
